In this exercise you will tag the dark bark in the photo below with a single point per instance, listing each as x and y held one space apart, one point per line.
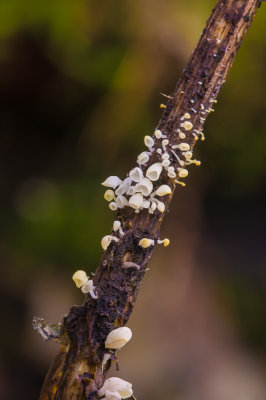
77 370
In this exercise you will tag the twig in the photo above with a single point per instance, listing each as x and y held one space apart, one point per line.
78 371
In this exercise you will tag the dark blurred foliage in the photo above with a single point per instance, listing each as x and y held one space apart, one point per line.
80 85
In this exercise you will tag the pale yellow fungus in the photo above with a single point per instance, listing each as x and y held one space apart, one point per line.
187 125
187 115
145 243
182 172
109 195
163 190
80 278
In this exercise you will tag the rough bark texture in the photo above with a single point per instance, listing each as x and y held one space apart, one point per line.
78 372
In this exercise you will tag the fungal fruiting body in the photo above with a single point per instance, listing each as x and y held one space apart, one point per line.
117 338
83 282
163 190
115 389
80 278
145 243
165 242
112 182
106 240
154 171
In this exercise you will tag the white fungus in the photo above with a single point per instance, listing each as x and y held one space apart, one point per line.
136 174
154 171
143 158
136 201
115 389
116 225
121 201
182 172
144 186
148 141
112 182
163 190
158 134
113 206
106 240
117 338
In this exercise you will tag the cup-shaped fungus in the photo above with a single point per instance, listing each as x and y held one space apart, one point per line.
154 171
144 186
163 190
187 125
116 386
117 338
121 201
143 158
112 182
109 195
145 242
113 206
136 201
106 240
89 288
136 174
148 141
116 225
80 278
123 188
158 134
182 172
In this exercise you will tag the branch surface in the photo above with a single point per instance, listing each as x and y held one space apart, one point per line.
78 371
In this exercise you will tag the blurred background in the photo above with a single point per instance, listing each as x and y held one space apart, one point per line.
80 85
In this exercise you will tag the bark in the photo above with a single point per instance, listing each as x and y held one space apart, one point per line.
78 370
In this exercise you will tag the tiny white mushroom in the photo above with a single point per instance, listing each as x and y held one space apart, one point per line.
145 243
188 155
80 278
116 385
148 140
121 201
160 206
109 195
165 242
152 207
113 206
116 225
163 190
165 156
182 146
159 151
89 288
106 240
158 134
165 142
166 163
182 172
154 171
171 174
136 174
117 338
145 187
143 158
136 201
123 188
146 204
112 182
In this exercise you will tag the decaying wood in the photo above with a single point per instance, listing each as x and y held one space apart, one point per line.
78 370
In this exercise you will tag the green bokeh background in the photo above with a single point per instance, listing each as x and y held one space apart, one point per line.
80 85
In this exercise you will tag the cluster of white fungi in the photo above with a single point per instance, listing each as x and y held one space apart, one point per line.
141 190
